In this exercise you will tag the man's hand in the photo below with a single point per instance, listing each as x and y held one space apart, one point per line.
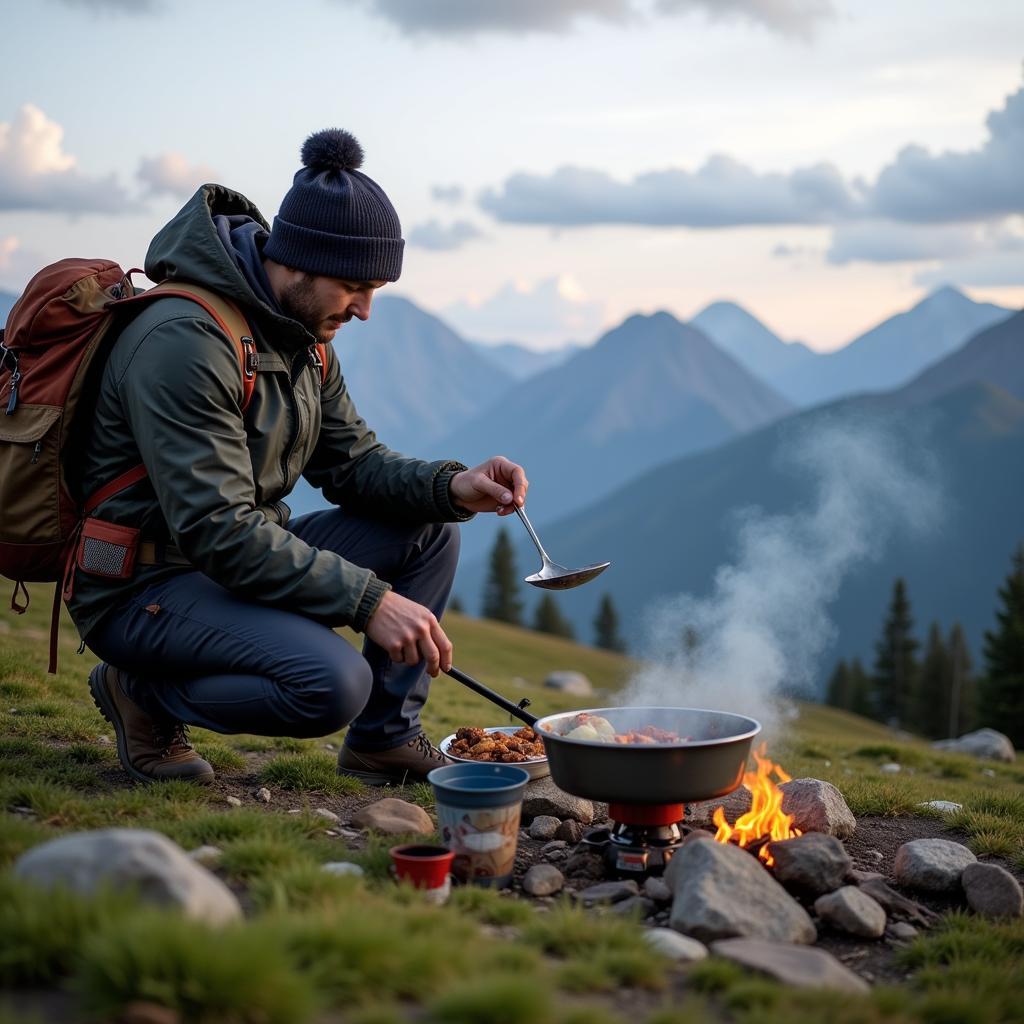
496 485
409 633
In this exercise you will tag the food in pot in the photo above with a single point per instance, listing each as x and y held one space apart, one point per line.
502 747
594 728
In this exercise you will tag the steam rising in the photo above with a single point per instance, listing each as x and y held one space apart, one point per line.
765 625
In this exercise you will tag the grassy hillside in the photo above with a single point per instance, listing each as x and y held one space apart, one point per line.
314 946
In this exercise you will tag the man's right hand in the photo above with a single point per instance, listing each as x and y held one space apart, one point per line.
410 633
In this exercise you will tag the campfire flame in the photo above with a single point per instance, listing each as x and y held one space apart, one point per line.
765 820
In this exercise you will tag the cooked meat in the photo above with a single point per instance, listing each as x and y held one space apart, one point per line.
505 748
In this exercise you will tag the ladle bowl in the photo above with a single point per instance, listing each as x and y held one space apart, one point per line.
553 576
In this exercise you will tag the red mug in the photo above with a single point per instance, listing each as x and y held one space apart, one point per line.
426 867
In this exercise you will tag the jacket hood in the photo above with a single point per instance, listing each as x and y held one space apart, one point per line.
188 248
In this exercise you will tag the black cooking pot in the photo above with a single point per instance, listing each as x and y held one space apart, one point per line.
709 764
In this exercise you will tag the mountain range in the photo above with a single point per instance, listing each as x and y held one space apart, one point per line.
672 529
520 362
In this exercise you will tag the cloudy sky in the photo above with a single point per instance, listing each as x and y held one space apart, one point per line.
557 164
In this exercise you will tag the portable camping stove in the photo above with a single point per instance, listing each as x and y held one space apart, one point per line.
641 839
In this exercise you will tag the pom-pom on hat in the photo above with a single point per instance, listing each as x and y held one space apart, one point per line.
335 220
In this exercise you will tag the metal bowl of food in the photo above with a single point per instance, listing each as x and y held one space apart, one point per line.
535 767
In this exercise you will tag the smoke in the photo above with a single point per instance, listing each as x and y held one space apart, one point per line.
765 625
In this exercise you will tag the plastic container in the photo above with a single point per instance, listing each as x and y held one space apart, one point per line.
478 807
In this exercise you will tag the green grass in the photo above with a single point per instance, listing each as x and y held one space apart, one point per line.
313 943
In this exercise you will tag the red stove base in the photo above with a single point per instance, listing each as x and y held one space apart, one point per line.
641 839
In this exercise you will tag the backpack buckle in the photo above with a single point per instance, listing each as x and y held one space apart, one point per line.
251 362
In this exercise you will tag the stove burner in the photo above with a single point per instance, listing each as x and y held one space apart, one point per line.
641 839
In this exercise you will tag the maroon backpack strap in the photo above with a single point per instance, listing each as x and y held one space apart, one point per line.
321 351
228 317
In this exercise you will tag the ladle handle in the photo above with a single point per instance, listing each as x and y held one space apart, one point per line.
533 534
495 698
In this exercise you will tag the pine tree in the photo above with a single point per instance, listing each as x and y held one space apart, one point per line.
501 591
932 694
964 688
838 694
894 678
548 619
606 626
860 690
1001 692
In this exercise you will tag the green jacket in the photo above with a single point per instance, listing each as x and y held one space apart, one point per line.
170 397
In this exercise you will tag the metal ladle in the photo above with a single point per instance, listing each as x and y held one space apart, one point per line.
553 576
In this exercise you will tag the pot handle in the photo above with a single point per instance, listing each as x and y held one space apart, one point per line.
516 710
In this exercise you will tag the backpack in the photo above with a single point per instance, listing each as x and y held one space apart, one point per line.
51 354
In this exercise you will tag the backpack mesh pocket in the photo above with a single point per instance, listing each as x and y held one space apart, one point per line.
106 549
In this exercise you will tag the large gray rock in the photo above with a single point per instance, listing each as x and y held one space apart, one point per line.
159 870
851 911
817 806
543 880
544 827
570 682
933 865
608 892
792 965
544 797
721 891
394 817
983 743
992 891
813 863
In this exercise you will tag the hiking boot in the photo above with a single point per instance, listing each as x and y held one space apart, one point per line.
151 749
408 763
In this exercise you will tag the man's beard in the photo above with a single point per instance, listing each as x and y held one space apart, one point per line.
298 301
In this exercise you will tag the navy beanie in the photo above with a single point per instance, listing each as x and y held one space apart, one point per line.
335 221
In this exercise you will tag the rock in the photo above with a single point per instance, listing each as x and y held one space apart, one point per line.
394 817
608 892
851 911
814 863
160 870
232 801
874 855
544 797
736 803
585 865
792 965
557 849
263 795
342 868
721 891
988 773
943 806
543 880
656 889
891 768
569 682
104 741
934 865
638 906
983 743
891 901
570 831
206 856
697 835
902 931
671 944
544 827
992 891
323 812
817 806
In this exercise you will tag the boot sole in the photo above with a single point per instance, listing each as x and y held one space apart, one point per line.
108 709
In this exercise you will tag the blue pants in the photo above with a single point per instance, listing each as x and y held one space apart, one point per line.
214 659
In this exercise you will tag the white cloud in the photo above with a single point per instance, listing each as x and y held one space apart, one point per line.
471 17
172 174
36 173
798 19
443 237
721 193
891 242
997 262
979 184
17 264
447 193
547 313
